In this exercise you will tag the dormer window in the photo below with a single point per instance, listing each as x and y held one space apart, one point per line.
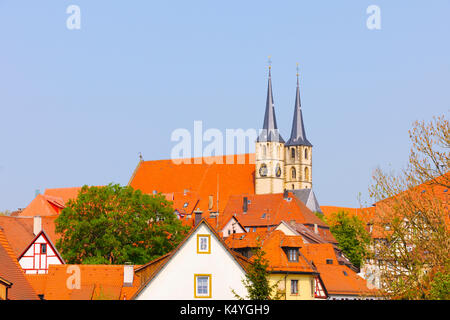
292 254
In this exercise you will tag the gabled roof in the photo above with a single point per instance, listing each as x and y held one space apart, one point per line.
270 210
272 243
11 271
152 268
19 231
43 205
207 176
65 194
308 197
338 279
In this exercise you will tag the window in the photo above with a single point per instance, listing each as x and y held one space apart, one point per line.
203 243
202 286
293 173
293 153
329 261
306 174
264 151
43 248
294 286
306 154
293 255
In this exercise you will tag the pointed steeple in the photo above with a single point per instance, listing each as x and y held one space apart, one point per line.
298 134
270 132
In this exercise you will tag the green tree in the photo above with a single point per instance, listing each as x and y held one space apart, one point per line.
351 235
257 279
114 224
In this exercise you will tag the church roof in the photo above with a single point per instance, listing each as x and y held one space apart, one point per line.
298 134
308 197
216 177
270 132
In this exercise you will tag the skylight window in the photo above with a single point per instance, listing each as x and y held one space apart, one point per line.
185 204
264 215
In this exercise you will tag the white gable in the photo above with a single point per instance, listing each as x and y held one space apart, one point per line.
286 229
35 261
232 225
175 281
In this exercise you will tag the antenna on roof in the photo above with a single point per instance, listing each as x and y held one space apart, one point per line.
140 156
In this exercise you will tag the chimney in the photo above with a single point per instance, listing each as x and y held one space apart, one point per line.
198 216
37 225
285 194
128 274
245 205
316 229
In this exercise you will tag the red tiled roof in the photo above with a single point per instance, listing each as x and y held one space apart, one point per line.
272 243
205 179
11 271
338 279
19 231
64 193
98 282
43 205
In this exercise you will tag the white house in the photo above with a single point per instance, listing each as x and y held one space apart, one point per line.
201 267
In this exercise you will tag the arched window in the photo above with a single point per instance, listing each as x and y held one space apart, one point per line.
293 153
264 151
293 173
306 174
306 154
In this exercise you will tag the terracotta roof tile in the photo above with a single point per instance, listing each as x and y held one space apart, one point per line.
338 279
98 282
273 243
165 176
19 231
11 271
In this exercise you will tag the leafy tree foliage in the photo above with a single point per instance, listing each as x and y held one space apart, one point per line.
414 257
351 235
114 225
257 279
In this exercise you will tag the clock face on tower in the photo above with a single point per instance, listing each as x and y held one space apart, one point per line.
278 170
263 170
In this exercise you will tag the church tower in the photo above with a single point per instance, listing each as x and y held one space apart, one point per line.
269 173
298 152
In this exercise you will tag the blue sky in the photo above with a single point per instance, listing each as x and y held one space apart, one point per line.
77 106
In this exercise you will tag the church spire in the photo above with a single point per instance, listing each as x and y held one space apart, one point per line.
270 132
298 134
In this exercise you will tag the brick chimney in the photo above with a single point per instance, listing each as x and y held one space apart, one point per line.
245 205
198 216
